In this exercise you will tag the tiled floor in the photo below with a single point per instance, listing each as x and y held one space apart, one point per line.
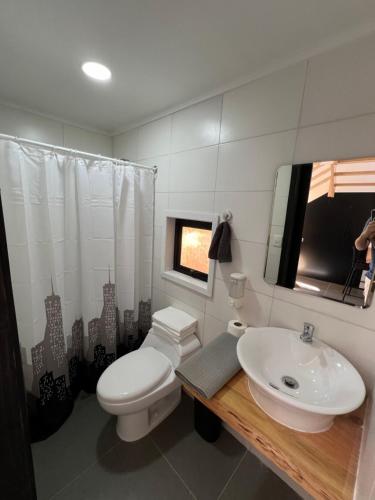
85 460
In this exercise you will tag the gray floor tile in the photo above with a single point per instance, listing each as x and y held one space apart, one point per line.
204 467
131 471
85 460
254 481
87 434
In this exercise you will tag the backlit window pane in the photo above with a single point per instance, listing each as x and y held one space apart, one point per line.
195 244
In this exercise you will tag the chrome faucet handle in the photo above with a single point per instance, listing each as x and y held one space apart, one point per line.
308 332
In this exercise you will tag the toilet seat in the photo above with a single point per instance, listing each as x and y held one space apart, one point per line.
133 376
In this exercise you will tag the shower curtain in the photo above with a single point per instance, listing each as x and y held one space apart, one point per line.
80 235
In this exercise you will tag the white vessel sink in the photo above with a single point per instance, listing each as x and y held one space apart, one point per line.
301 385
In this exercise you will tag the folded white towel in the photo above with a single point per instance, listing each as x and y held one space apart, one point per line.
170 334
187 331
183 347
175 320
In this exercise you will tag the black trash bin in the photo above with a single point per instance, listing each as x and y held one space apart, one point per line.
206 423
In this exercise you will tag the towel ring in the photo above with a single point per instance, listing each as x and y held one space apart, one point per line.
227 215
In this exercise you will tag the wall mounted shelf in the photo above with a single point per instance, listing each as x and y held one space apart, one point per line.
324 464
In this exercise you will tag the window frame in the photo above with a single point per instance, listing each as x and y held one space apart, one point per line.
177 266
167 273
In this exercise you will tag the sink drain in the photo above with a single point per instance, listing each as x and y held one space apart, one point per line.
290 382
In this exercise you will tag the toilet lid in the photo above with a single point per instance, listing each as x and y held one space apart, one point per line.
134 375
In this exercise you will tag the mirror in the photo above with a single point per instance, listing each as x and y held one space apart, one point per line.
321 239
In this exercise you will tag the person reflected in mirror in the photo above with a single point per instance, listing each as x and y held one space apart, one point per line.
366 241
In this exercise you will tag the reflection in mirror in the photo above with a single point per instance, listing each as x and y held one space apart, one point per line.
322 234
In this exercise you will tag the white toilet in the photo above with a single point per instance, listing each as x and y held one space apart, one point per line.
141 388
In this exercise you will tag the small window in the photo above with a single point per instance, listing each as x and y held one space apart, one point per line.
191 244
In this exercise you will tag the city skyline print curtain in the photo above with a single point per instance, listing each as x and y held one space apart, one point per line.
79 234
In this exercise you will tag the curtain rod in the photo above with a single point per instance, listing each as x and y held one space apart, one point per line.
14 138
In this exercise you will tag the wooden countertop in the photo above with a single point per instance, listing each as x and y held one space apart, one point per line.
324 464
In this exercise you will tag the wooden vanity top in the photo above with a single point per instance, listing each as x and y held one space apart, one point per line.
323 464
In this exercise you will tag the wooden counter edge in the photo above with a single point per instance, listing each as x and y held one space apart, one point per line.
262 444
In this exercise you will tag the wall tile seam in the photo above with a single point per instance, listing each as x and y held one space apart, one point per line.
136 132
249 288
230 191
137 143
146 123
256 292
236 312
218 148
203 341
195 104
189 150
187 303
258 136
221 93
219 143
206 191
306 126
159 227
214 317
58 123
337 318
219 191
205 299
241 240
297 129
112 146
173 152
273 286
336 120
271 307
63 135
155 157
204 327
273 299
245 138
169 154
307 66
253 290
208 299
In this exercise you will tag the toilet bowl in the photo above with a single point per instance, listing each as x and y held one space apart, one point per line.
141 388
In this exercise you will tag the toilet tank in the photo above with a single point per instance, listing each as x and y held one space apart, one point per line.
177 353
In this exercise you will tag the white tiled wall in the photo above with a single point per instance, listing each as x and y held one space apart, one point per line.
267 105
223 153
31 126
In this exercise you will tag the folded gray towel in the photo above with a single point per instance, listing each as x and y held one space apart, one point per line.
209 369
220 245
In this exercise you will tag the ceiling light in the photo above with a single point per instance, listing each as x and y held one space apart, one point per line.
96 71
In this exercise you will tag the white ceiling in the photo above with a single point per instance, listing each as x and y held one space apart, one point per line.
162 53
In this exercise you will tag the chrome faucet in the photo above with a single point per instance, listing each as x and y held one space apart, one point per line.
308 332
